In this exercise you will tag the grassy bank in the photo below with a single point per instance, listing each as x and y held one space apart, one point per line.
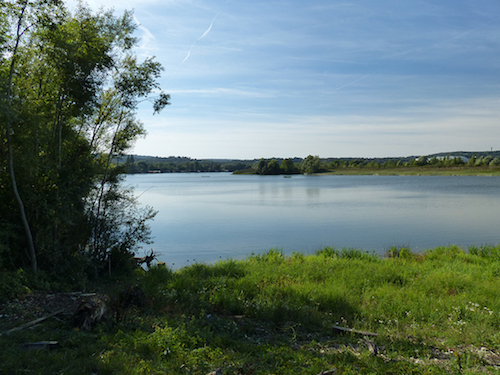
435 313
419 171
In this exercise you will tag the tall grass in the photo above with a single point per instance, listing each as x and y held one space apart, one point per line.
406 295
273 313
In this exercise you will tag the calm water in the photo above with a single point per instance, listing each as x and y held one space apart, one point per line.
210 216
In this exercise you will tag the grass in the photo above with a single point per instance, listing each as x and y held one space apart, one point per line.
433 313
427 170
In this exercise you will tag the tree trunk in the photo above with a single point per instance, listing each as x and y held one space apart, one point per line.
24 219
8 129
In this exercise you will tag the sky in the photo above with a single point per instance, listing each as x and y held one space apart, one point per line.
333 78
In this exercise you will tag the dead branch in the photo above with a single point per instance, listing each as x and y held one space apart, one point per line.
139 261
32 323
345 329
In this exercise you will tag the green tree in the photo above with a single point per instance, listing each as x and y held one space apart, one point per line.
421 161
260 168
24 16
273 167
479 161
288 166
69 87
311 164
434 160
495 161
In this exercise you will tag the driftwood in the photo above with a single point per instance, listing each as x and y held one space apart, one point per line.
345 329
32 323
89 313
139 261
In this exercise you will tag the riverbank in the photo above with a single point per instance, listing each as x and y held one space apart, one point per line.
428 170
431 313
418 171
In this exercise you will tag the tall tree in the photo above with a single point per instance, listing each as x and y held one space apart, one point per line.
25 16
70 87
311 164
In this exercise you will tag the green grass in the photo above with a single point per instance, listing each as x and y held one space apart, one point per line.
427 170
273 314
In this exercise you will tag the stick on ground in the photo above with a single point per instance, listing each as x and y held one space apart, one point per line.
32 323
345 329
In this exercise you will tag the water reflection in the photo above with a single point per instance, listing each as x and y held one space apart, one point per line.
233 216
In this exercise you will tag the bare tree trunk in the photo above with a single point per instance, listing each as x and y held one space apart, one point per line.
24 219
105 178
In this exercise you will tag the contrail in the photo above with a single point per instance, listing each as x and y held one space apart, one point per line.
435 45
188 54
350 83
201 37
209 28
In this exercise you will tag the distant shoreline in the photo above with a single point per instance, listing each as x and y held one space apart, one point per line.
417 171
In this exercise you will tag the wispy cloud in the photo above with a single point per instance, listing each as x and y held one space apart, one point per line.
347 78
351 83
224 91
209 28
207 31
148 40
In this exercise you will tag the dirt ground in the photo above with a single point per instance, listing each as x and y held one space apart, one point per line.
36 305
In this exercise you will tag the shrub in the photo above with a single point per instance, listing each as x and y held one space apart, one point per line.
13 284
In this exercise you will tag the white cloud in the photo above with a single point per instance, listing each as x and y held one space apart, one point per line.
147 45
451 126
345 78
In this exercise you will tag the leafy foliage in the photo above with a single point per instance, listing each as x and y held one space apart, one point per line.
69 88
311 164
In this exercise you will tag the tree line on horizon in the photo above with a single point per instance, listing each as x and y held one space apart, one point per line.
311 164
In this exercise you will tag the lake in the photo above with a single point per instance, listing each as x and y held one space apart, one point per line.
204 217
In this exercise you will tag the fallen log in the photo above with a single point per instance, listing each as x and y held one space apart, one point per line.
32 323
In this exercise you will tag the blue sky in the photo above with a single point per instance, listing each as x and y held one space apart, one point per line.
364 78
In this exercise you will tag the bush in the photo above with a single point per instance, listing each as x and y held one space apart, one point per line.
13 285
